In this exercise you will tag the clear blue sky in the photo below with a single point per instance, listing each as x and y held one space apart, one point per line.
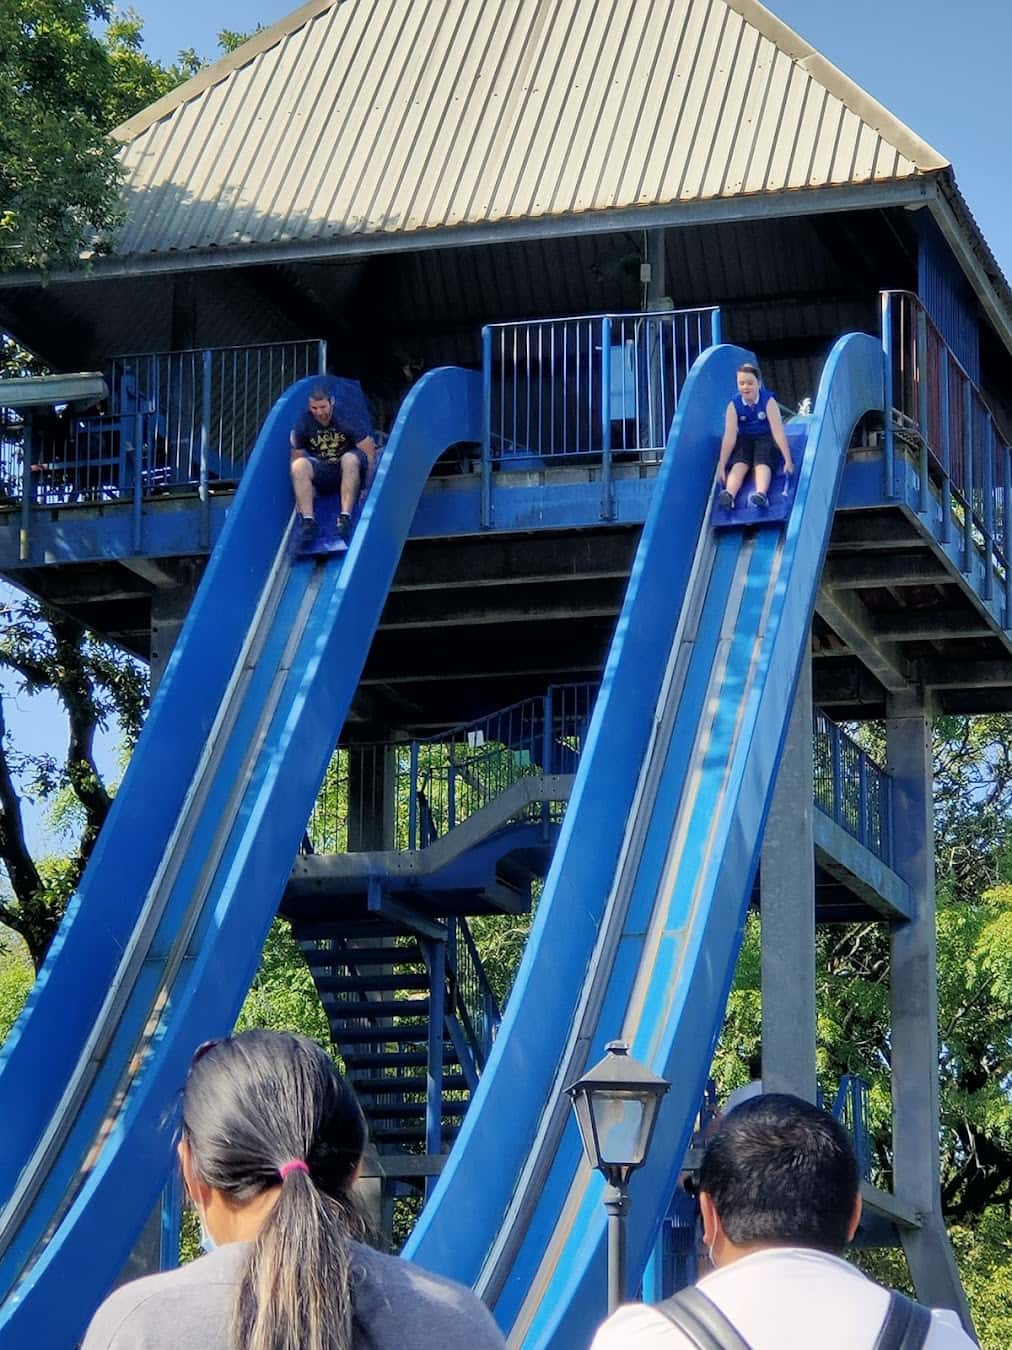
942 68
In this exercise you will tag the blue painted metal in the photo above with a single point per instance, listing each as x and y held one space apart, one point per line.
850 1107
546 993
990 445
850 787
607 504
191 947
435 960
781 493
946 449
968 483
922 405
889 396
171 1221
658 963
486 427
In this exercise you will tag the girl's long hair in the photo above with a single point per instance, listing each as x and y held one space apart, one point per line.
253 1102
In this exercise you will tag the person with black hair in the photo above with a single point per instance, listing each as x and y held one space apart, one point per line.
333 450
753 436
779 1191
271 1143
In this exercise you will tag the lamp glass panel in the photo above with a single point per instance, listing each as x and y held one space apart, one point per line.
621 1121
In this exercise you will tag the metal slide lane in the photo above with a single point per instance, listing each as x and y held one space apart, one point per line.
663 958
458 1227
92 1173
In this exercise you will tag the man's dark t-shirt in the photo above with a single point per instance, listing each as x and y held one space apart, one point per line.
349 422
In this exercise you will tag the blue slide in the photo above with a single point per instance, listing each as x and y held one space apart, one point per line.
641 918
161 941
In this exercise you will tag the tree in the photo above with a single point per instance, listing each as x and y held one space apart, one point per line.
58 172
44 649
973 849
62 89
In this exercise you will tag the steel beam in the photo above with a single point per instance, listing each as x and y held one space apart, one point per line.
849 619
787 907
891 569
913 992
960 675
916 625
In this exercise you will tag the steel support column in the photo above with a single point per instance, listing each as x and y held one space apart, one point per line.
913 988
787 882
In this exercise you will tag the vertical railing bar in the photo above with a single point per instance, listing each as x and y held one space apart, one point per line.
889 446
607 509
486 428
946 529
988 513
921 367
967 479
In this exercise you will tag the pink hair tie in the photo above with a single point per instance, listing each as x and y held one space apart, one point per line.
293 1165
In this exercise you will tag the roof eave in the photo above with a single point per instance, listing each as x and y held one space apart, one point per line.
912 192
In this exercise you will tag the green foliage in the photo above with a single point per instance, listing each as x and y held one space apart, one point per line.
134 80
282 996
58 173
982 1253
63 87
16 977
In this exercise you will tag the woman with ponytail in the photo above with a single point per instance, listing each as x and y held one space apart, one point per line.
272 1139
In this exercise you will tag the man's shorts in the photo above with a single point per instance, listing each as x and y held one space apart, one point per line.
327 472
754 450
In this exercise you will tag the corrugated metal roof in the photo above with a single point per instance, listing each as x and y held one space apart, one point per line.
367 117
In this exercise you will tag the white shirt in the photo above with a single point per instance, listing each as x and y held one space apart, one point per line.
784 1298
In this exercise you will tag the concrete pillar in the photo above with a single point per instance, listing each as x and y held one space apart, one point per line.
169 606
787 889
913 990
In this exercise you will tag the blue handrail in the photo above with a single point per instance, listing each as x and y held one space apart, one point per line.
590 385
851 788
934 404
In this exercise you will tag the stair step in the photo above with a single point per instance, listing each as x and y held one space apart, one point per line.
342 1009
411 1111
399 1035
324 930
452 1082
407 1134
394 1060
408 955
338 984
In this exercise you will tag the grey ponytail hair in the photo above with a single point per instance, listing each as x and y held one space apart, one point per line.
253 1102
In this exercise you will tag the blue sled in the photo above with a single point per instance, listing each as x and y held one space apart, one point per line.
781 494
327 542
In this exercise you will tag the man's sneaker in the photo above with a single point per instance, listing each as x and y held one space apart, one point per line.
725 500
308 529
759 499
344 526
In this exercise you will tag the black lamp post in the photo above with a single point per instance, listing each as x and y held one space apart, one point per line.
616 1105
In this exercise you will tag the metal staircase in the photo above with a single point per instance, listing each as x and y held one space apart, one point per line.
413 1017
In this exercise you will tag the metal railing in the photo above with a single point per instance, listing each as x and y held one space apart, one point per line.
405 795
937 408
469 994
850 1108
851 788
178 421
592 386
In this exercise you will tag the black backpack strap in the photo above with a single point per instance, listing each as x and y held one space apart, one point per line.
699 1318
906 1325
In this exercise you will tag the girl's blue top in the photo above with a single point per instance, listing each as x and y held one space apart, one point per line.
752 416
